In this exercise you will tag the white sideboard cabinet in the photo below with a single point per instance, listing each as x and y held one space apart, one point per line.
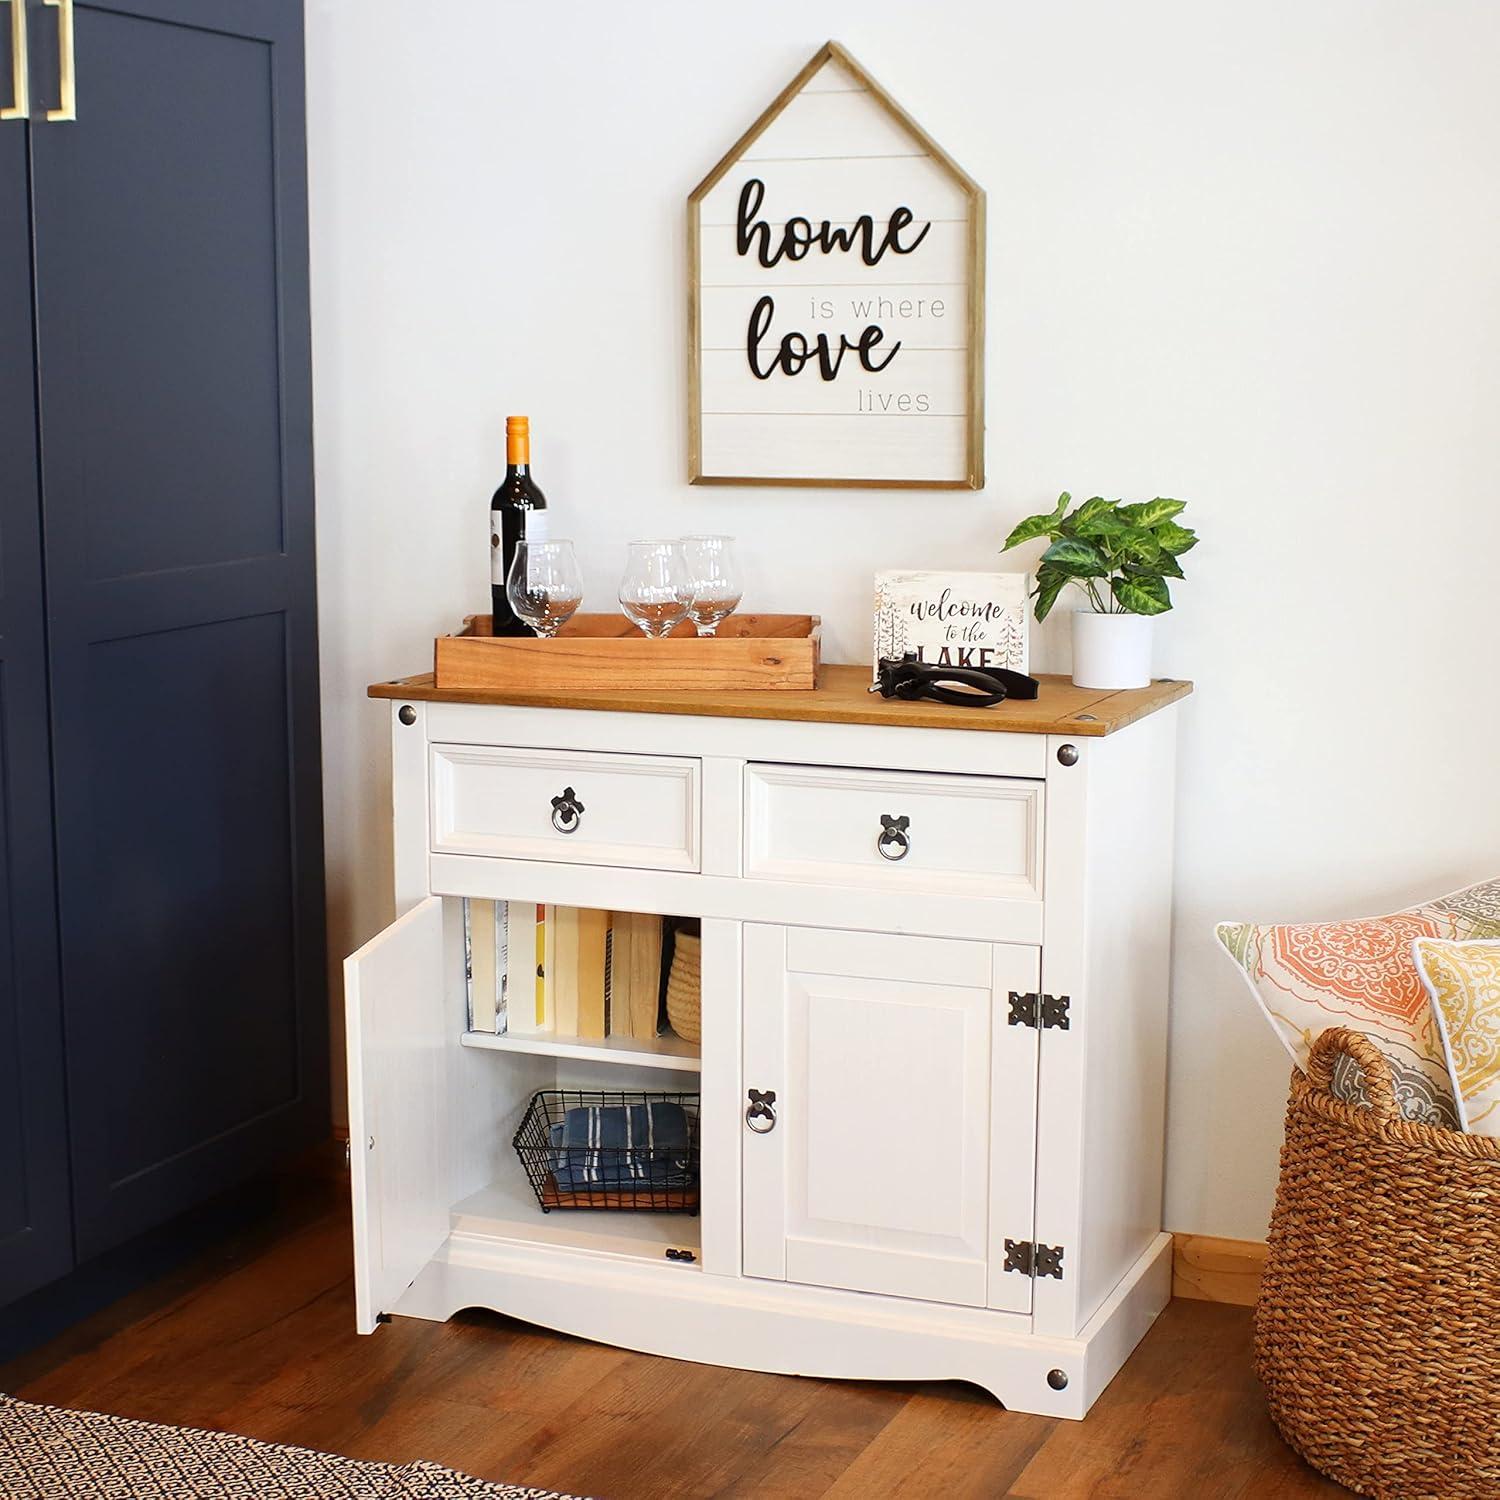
931 1073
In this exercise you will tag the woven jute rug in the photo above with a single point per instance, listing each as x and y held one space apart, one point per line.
51 1453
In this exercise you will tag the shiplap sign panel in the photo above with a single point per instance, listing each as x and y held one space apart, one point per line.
836 314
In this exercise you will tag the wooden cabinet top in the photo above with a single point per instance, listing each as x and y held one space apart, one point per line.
841 697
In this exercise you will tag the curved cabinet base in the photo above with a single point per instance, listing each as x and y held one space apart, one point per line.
685 1313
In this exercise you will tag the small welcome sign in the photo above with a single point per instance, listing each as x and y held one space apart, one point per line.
952 619
836 314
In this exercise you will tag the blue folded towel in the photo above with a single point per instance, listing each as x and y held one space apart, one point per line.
613 1146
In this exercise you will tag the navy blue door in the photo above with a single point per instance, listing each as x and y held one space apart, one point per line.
171 277
35 1218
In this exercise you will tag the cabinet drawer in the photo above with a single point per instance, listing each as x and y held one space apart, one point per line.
969 835
635 810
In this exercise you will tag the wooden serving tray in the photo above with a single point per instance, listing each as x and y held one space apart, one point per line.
607 652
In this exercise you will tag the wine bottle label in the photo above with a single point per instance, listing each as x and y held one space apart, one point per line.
535 530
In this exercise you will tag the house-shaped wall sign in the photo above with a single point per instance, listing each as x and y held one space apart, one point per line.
836 309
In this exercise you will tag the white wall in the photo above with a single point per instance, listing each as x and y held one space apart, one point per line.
1241 254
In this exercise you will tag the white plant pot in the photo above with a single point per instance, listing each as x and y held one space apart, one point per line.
1111 651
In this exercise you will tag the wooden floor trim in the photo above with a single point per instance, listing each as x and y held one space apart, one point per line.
1214 1270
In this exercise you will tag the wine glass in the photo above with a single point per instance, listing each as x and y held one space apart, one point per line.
656 590
715 574
544 585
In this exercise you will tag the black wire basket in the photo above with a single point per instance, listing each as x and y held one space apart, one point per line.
611 1149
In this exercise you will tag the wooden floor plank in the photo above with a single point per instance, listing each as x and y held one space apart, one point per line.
257 1337
1185 1417
949 1441
799 1437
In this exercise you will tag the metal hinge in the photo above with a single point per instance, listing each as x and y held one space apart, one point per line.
1039 1011
1032 1259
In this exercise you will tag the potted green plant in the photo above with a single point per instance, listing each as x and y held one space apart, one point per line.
1121 556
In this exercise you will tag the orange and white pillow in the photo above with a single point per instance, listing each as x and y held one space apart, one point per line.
1309 976
1463 980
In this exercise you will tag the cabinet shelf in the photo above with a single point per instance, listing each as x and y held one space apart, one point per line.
667 1051
506 1210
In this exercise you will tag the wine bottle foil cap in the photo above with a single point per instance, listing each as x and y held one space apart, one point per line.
517 424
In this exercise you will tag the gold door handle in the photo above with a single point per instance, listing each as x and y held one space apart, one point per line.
20 105
67 88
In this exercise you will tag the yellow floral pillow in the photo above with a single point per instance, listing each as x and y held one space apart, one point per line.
1463 981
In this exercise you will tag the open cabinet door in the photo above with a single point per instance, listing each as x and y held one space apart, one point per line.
398 1106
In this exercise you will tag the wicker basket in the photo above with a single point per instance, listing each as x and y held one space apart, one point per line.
685 988
1377 1333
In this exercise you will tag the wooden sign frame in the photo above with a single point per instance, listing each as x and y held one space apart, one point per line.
974 261
951 617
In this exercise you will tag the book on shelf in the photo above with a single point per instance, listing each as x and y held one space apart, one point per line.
546 966
617 975
610 934
562 970
484 964
500 926
634 974
645 974
593 934
525 982
565 971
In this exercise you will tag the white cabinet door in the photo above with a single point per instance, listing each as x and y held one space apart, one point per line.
900 1150
398 1103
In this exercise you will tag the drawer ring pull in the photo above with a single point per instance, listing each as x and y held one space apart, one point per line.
894 841
762 1107
567 811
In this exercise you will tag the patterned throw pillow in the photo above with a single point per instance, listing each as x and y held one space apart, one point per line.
1463 980
1308 976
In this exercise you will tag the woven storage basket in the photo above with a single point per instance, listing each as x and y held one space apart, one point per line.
685 988
1377 1332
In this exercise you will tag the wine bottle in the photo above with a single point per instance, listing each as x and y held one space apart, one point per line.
518 511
